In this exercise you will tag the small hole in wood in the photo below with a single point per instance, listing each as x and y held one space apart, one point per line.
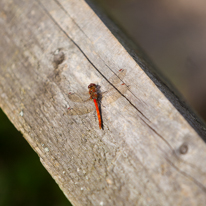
183 149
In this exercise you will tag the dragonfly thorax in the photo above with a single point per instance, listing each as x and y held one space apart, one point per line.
93 91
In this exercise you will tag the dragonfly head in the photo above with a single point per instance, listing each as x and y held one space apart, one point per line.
92 85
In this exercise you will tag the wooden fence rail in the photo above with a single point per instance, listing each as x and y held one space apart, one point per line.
150 151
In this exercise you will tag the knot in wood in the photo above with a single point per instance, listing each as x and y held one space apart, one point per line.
58 58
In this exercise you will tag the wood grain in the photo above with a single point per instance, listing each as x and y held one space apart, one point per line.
151 150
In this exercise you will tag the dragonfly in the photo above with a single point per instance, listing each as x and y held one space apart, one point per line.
114 89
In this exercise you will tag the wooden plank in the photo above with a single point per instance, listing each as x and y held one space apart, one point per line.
150 151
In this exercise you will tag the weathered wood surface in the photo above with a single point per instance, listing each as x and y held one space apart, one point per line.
147 154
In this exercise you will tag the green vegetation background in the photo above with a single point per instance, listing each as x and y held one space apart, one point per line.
23 179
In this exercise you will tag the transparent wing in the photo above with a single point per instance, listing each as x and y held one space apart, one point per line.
114 80
80 109
83 104
113 94
118 77
82 97
116 88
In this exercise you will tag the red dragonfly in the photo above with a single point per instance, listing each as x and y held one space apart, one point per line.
107 97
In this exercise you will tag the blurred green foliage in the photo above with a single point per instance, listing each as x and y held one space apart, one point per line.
23 179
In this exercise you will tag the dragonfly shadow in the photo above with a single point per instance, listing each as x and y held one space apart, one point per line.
98 88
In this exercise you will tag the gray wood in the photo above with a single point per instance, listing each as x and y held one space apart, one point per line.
150 151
